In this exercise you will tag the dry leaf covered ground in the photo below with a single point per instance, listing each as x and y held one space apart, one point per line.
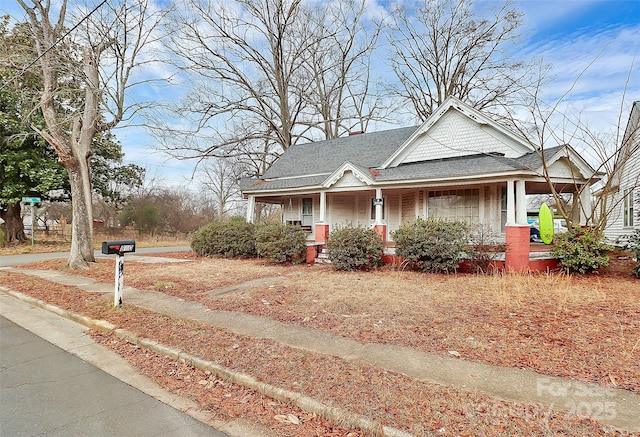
585 328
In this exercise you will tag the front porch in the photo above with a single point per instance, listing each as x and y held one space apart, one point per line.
499 207
538 259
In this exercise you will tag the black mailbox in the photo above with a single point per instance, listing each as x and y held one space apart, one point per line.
118 247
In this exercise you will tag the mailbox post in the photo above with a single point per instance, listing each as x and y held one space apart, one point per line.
119 248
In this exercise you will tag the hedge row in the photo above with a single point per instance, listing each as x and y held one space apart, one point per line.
236 238
431 245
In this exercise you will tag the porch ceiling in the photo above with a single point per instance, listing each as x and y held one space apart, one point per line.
543 187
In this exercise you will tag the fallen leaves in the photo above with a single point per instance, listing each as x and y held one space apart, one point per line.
573 327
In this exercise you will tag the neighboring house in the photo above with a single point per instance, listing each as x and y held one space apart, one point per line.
459 164
622 205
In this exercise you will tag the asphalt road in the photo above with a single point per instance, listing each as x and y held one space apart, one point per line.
45 390
11 260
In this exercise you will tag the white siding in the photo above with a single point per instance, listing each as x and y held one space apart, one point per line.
392 213
562 169
630 179
408 207
456 135
615 220
348 180
291 209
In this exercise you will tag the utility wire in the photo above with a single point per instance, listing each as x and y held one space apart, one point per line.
52 46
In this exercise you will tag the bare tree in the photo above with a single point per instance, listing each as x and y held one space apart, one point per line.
111 42
546 125
270 74
220 183
341 96
245 57
444 49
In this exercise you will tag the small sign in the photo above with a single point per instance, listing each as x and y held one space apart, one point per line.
377 202
31 199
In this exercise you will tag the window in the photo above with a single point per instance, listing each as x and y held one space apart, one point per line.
307 211
628 208
455 205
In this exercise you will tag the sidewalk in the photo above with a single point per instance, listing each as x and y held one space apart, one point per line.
615 407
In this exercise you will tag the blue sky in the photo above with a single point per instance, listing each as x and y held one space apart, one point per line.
598 41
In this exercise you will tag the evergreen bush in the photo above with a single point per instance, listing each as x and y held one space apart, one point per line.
580 250
3 239
280 243
432 245
355 248
231 239
634 246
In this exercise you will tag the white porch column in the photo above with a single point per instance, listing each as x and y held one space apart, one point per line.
511 203
378 207
323 206
585 204
251 209
521 203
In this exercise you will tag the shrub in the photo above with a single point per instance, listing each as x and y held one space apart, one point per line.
431 245
580 250
231 239
3 239
355 248
482 249
280 243
634 245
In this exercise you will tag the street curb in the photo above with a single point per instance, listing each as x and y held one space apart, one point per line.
308 404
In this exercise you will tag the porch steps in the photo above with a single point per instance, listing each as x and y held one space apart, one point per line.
323 257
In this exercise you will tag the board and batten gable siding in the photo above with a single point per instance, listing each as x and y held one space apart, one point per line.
455 135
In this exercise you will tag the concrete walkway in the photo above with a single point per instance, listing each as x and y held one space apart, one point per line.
615 407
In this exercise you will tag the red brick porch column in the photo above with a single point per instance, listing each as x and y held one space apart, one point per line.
517 252
322 233
382 231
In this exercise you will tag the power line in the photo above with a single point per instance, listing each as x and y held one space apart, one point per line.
52 46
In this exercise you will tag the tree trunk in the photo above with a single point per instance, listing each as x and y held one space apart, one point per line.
82 216
13 225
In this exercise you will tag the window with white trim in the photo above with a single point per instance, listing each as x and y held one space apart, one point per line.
455 205
307 211
627 205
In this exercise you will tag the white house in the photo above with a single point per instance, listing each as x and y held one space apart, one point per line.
459 164
622 204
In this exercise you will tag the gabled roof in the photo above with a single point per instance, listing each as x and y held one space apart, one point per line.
471 132
368 150
389 157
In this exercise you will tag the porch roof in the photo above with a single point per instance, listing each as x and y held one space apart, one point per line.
437 169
